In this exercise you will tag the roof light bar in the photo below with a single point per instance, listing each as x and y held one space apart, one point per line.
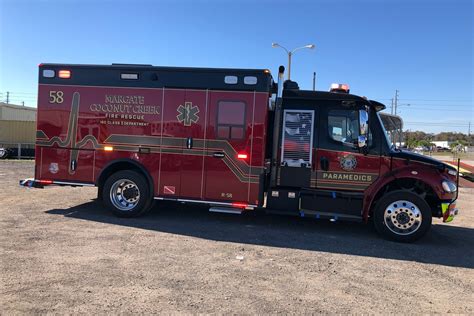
339 87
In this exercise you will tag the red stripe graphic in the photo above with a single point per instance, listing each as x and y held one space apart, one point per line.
168 189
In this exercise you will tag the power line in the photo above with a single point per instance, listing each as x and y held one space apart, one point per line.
426 100
436 110
434 105
438 124
23 92
445 104
439 100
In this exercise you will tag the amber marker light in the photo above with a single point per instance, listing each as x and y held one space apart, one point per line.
64 74
109 148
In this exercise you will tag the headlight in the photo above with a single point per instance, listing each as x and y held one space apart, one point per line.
449 186
452 172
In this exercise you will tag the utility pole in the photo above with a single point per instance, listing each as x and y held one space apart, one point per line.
8 97
391 107
314 81
23 103
395 102
469 135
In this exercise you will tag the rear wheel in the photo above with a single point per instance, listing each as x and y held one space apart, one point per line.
127 194
402 216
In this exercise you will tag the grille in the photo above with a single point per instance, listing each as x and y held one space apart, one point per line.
297 138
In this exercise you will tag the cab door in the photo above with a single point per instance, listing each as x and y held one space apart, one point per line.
341 165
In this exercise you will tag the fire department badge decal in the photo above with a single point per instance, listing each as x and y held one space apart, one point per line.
188 114
348 162
53 167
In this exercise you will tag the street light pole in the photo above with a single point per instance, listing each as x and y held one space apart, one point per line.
289 65
290 54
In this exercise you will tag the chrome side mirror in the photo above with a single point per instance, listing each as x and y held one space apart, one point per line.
363 122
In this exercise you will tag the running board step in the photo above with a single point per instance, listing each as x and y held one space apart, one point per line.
228 210
329 215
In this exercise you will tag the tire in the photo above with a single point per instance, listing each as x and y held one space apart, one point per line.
3 153
402 216
127 194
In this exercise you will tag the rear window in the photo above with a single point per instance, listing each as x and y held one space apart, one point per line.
231 119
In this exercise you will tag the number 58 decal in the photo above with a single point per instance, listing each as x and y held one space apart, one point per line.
56 97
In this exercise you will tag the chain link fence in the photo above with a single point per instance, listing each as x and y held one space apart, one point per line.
17 150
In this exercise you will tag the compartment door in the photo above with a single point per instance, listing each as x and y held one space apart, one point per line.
192 116
228 170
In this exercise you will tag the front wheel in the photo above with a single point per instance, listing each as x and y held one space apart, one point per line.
402 216
127 194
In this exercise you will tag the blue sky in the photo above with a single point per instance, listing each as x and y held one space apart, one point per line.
422 48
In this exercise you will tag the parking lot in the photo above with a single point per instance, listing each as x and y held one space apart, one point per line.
61 252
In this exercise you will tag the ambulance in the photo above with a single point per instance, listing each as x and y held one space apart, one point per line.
234 140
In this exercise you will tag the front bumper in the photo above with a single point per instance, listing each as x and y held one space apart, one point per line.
449 210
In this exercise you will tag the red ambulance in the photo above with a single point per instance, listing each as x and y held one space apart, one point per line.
234 140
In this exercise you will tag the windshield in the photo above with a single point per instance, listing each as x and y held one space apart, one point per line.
387 137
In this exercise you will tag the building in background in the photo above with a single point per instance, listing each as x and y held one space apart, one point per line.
442 143
17 130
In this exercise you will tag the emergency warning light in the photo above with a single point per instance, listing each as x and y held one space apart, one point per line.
339 87
64 74
242 156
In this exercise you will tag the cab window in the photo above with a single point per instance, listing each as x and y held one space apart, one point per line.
343 130
343 125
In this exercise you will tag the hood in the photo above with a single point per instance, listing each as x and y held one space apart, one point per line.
405 154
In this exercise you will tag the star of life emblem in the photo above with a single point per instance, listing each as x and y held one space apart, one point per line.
188 114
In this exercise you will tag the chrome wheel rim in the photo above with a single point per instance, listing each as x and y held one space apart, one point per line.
403 217
124 194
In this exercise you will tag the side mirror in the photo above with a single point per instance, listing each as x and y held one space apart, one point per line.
363 122
364 128
362 141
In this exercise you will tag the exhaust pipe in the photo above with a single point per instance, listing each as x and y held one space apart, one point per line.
277 126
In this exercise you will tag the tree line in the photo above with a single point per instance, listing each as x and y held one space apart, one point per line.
419 138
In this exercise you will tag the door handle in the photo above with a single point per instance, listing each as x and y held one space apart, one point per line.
73 165
218 155
324 163
189 143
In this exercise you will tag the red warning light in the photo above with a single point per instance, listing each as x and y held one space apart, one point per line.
242 156
239 205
